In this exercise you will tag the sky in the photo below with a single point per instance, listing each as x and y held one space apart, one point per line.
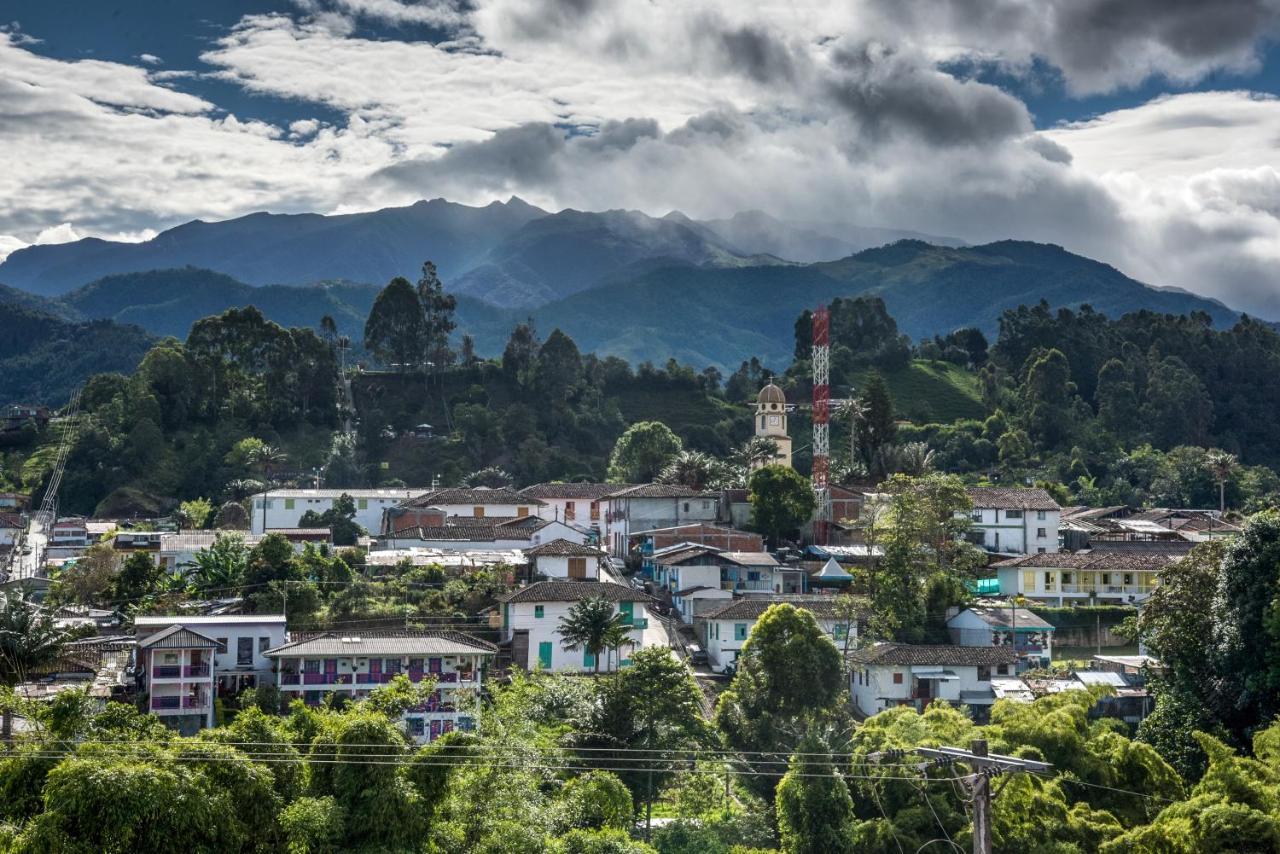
1142 133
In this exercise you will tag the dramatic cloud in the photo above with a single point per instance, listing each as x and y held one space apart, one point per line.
809 110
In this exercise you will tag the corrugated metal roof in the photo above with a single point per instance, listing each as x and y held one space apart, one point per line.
177 637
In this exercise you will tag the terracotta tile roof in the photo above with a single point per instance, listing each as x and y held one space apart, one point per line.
1104 561
660 490
563 548
574 591
1011 498
384 643
752 607
903 654
465 495
10 520
592 491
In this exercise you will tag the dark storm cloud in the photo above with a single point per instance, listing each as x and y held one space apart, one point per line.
1096 32
756 53
887 94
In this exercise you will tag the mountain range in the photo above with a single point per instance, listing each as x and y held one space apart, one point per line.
510 254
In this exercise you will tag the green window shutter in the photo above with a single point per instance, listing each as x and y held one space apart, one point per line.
538 612
739 631
588 660
364 504
506 613
544 654
628 610
288 504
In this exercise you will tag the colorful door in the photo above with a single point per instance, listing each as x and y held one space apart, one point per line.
588 660
628 610
544 655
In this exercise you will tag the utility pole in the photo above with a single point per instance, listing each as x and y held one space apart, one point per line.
984 767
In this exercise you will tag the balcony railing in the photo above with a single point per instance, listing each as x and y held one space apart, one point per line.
173 702
290 678
763 585
164 703
196 670
194 703
1111 589
166 671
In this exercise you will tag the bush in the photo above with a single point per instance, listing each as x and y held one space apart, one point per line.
312 825
596 800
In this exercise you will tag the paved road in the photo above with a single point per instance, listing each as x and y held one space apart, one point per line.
27 564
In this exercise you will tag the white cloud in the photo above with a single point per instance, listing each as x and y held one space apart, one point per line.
10 244
809 110
150 58
61 233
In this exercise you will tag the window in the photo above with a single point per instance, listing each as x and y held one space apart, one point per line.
522 512
739 631
1013 514
1049 581
244 651
288 504
840 631
1106 578
417 726
264 644
1040 550
1128 579
222 645
984 673
1041 533
1066 578
595 510
311 665
976 515
577 567
1002 669
571 511
686 507
1040 515
538 612
897 679
477 512
1028 581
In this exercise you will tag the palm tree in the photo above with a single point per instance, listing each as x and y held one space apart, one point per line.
693 469
912 458
758 450
222 565
615 639
28 640
1222 466
267 457
587 626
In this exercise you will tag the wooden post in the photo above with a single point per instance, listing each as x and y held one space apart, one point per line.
981 800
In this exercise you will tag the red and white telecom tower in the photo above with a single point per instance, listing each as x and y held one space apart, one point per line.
821 421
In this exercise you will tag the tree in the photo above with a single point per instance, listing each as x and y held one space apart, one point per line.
90 579
789 678
437 316
815 811
587 627
195 513
340 519
594 801
642 452
781 501
1222 466
559 366
28 640
396 330
693 469
220 567
874 424
138 577
653 705
231 517
1178 408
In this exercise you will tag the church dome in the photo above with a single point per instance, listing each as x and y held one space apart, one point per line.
771 394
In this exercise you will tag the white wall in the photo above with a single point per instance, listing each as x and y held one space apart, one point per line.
646 514
697 603
285 511
874 682
556 509
227 663
557 566
1017 535
723 640
521 616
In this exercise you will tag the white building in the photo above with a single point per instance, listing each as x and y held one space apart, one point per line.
983 625
771 423
650 506
178 549
893 674
725 629
1014 520
438 505
531 624
174 667
11 525
563 560
68 537
355 665
284 508
580 504
1105 577
691 574
241 641
481 534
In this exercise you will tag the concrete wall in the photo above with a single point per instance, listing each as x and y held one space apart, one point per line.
522 616
1017 535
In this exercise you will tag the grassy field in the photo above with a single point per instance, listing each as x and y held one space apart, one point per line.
934 392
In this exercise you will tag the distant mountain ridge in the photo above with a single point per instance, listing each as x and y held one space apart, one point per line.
511 254
653 311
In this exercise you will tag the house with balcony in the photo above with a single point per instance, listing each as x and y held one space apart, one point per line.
175 669
650 507
68 536
690 575
1014 520
1030 637
759 573
887 675
531 624
313 667
563 560
484 533
724 630
240 644
579 504
1101 577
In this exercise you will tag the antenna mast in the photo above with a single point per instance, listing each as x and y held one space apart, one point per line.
821 421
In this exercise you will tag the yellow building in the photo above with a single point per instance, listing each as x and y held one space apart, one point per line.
771 423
